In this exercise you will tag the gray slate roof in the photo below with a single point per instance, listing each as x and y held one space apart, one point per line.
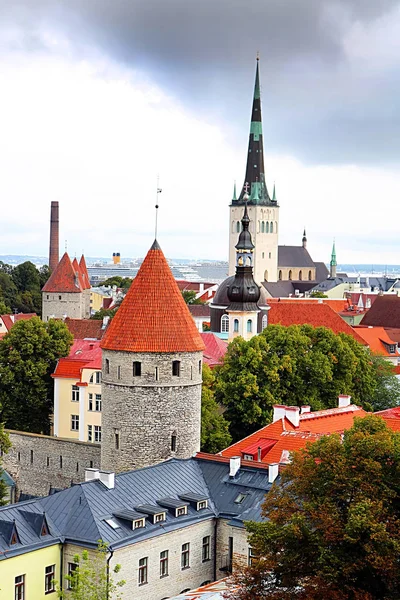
382 283
79 513
294 256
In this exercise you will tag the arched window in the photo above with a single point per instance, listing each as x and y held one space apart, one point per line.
237 226
265 275
249 326
290 275
233 226
262 227
259 227
236 325
267 227
300 275
309 276
280 276
224 324
264 321
276 227
271 227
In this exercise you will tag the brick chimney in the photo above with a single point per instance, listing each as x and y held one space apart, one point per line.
54 237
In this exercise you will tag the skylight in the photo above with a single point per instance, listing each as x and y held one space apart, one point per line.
240 498
112 523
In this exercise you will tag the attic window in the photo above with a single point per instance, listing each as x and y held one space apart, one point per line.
159 517
181 511
240 498
44 530
138 524
14 539
202 504
248 457
113 524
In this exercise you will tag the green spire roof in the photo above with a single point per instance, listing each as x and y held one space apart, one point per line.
333 256
274 194
234 193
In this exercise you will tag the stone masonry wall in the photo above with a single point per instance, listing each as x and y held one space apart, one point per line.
141 414
38 462
60 304
240 546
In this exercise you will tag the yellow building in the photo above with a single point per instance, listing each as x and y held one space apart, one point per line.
77 393
96 301
30 553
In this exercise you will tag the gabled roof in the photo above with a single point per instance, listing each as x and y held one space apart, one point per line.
384 312
215 349
85 328
294 256
317 315
377 339
84 271
63 278
145 322
84 354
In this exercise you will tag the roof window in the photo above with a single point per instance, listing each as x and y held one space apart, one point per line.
240 498
112 523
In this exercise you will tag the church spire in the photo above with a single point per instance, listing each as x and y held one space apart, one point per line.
333 263
304 240
255 175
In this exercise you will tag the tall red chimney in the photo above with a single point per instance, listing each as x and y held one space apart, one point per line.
54 241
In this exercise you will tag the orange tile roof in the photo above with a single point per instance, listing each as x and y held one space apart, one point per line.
273 431
68 368
317 315
10 320
85 328
84 354
332 420
145 322
85 274
290 441
376 338
336 304
63 278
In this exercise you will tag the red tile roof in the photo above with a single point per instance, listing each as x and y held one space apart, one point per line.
145 322
199 310
215 349
317 315
84 354
85 328
84 271
63 278
336 304
377 339
10 320
385 312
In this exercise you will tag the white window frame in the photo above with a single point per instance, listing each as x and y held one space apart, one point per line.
97 434
185 556
202 504
164 560
49 577
224 324
75 394
143 570
97 403
159 518
90 433
19 587
181 511
74 422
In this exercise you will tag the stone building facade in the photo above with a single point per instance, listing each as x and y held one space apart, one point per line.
151 416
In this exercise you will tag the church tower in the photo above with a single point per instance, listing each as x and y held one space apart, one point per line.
263 211
333 263
151 373
243 292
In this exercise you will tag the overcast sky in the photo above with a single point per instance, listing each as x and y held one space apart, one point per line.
97 97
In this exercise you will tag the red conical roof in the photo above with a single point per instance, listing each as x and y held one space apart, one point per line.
84 271
63 278
77 269
153 316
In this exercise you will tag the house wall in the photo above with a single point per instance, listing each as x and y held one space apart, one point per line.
96 301
297 274
38 462
60 304
145 411
240 546
266 244
32 565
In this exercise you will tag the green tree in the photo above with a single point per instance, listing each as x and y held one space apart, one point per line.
189 297
387 391
4 309
292 365
92 580
8 290
26 277
214 428
28 356
121 282
5 268
104 312
44 274
5 445
332 524
318 294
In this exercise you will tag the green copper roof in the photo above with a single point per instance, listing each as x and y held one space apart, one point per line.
256 129
274 195
234 193
333 256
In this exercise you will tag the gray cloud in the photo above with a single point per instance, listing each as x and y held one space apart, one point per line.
319 103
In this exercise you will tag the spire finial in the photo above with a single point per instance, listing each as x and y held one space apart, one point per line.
159 190
234 199
258 56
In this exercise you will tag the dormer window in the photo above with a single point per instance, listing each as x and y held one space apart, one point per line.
14 539
247 457
138 524
202 504
159 517
181 511
44 530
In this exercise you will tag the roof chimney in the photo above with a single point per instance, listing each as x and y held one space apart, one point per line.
259 457
279 412
234 465
273 472
108 479
292 413
305 409
54 234
91 474
344 400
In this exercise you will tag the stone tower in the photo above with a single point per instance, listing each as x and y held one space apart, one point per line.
333 263
152 373
243 292
263 211
66 292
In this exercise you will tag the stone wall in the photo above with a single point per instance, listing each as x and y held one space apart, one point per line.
141 414
60 304
38 462
240 547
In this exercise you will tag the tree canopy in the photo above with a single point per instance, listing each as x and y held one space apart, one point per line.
293 365
189 297
332 522
20 287
121 282
104 312
215 434
28 356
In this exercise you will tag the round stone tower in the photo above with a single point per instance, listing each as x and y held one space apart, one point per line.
151 374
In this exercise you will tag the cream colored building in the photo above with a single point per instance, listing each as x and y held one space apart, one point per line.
77 393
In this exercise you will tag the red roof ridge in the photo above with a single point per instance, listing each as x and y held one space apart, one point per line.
145 322
226 459
84 271
63 278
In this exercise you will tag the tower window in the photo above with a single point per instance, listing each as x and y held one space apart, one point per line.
309 276
249 326
237 227
156 373
107 366
119 372
236 325
290 275
280 276
300 275
173 442
200 364
264 322
263 254
224 324
276 227
137 369
262 226
269 254
267 227
116 436
271 227
176 368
